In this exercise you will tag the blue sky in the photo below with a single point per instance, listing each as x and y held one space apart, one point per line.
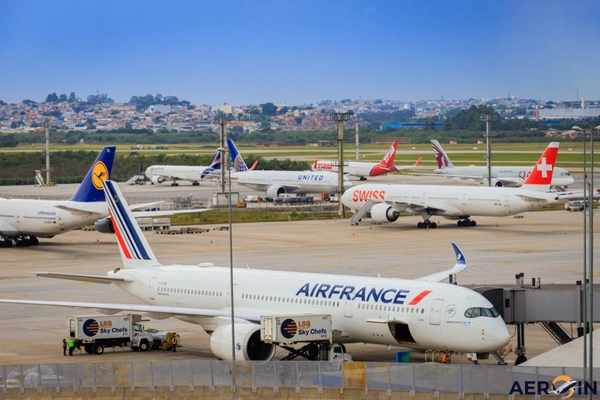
252 52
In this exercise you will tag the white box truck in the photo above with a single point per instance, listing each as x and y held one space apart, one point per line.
97 332
296 328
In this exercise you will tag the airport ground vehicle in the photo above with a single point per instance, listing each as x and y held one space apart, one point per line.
97 332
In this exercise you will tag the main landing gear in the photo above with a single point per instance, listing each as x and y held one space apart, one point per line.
426 224
466 222
20 241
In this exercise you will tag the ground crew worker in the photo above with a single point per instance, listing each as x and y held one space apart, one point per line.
71 344
64 347
174 343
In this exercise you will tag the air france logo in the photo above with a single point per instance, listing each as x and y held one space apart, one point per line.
99 174
365 294
91 327
289 328
362 196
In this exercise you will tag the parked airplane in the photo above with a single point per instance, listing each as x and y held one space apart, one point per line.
161 173
275 183
422 314
501 176
386 202
363 169
24 221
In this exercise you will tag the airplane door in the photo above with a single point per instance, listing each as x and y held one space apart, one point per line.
507 202
436 311
152 288
348 309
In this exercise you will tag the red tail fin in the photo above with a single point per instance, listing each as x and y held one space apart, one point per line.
540 177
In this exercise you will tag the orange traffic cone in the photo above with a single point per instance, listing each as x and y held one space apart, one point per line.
98 242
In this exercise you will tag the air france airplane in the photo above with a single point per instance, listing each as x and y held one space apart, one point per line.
275 183
420 314
363 169
386 202
501 176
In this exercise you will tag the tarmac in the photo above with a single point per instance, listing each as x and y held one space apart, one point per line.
545 244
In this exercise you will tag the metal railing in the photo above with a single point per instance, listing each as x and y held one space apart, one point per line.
386 377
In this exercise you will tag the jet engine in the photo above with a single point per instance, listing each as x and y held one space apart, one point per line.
157 179
104 225
275 191
248 346
384 213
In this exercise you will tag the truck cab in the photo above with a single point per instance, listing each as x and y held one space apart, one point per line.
337 352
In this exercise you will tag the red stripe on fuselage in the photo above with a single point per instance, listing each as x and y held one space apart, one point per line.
419 297
120 237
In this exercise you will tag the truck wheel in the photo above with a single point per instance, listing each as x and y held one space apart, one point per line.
99 349
88 349
144 345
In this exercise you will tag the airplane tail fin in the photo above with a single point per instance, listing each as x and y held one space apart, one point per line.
239 165
214 166
91 187
540 177
141 168
135 250
386 165
443 161
253 165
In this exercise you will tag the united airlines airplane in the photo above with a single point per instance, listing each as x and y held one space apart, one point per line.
509 176
275 183
386 202
363 169
422 314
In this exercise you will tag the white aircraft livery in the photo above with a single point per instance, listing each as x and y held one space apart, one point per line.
501 176
275 183
161 173
386 202
421 314
363 169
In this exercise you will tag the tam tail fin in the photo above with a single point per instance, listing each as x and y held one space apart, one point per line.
386 165
540 177
239 165
135 250
90 189
443 161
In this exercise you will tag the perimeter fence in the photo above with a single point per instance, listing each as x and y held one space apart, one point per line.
208 374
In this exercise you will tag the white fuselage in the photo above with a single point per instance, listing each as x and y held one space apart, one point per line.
450 201
43 218
351 168
364 309
292 181
560 178
175 172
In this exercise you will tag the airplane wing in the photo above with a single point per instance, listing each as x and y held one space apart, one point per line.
138 214
408 166
73 209
158 312
461 265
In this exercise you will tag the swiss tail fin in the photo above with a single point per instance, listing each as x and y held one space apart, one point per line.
540 177
239 165
443 161
135 250
91 186
215 165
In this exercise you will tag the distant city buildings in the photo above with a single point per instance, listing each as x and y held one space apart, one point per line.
66 116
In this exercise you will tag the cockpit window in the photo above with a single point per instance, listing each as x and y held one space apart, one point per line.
476 312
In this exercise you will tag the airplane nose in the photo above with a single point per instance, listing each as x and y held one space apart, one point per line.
501 334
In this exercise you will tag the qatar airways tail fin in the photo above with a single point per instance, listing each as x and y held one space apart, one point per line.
135 250
90 189
239 165
443 161
540 177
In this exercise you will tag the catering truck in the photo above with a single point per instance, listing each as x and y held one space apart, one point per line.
96 333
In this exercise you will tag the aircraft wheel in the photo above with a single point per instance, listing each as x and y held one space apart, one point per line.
473 223
420 225
33 240
459 223
434 225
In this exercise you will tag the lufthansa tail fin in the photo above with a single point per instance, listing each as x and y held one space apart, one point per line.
135 250
239 165
443 161
540 177
91 187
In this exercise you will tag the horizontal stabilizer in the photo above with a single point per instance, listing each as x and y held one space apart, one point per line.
82 278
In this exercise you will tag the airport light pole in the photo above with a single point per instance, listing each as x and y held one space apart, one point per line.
340 117
588 211
488 118
223 140
224 152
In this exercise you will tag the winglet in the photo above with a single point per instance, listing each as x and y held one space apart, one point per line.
90 189
135 250
461 265
253 166
460 257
